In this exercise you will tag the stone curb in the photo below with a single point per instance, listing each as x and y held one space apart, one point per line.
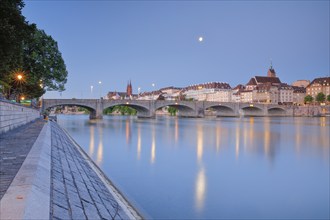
28 196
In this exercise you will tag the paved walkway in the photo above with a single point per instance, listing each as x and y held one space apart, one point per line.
54 179
14 147
77 190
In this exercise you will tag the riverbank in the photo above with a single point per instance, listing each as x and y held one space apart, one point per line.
58 180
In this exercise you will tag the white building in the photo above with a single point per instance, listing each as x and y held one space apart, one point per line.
220 96
246 96
285 93
236 93
213 91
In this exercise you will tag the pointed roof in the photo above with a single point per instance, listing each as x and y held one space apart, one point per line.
266 79
322 81
252 82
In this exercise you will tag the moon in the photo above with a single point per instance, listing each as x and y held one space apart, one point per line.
200 39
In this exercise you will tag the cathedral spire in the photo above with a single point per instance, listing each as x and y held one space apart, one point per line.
129 90
271 72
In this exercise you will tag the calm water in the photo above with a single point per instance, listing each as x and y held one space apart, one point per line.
213 168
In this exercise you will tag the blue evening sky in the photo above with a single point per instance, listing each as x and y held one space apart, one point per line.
157 42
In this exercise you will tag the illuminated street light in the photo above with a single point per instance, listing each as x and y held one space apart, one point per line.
19 77
100 83
139 89
92 91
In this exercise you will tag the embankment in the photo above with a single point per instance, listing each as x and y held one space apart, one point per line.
13 115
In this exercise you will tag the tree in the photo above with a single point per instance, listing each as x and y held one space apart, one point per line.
308 99
44 62
13 31
328 98
320 97
25 49
172 110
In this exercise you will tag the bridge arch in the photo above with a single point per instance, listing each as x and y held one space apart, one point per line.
273 111
48 104
251 110
221 109
185 108
142 109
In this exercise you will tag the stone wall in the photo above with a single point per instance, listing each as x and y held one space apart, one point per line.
13 115
312 110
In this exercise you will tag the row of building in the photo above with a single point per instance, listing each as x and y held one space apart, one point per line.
259 89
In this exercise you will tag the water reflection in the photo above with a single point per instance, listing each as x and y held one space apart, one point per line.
200 189
153 144
237 141
200 185
238 178
199 142
267 136
99 157
323 121
139 142
298 137
176 129
217 137
91 143
128 131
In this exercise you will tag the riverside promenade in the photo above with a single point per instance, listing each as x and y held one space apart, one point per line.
46 175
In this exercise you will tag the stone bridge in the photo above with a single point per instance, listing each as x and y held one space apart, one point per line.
147 109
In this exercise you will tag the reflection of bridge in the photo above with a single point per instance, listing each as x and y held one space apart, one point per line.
147 109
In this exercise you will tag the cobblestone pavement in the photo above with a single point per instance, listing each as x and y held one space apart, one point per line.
76 190
14 147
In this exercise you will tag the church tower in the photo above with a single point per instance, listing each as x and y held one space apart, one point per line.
129 90
271 72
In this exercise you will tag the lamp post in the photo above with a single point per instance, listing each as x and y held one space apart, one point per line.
100 83
153 95
19 78
92 91
139 89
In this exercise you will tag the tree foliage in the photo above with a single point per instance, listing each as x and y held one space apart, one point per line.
28 51
320 97
328 98
172 110
123 110
308 99
13 31
44 61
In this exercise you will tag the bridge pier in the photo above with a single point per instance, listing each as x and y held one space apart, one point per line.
98 112
197 112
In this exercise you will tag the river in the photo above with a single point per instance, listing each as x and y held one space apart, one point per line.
189 168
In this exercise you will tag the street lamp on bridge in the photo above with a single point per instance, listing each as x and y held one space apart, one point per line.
100 83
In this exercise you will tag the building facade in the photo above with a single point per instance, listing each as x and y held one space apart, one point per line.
213 91
265 93
285 93
299 94
319 85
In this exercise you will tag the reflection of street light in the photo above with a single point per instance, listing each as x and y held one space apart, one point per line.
100 83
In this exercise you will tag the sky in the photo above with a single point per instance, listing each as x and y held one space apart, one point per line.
158 42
